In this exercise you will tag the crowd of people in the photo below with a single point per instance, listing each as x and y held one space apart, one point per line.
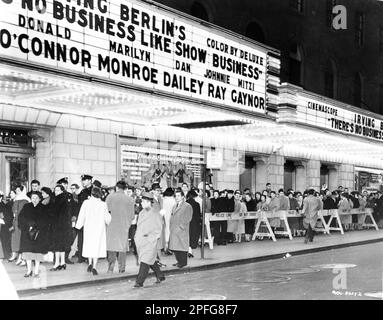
100 222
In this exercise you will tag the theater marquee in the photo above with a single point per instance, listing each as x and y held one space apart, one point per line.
327 116
137 44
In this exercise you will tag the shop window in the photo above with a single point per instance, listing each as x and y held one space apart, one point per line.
144 162
358 90
330 79
359 29
296 65
370 181
198 10
255 32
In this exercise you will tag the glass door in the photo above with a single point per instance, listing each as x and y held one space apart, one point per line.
15 170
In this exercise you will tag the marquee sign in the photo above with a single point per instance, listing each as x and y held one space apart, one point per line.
132 42
327 116
15 138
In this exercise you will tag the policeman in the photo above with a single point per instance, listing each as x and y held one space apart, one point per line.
85 194
87 188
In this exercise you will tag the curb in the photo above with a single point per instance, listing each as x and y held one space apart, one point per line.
55 288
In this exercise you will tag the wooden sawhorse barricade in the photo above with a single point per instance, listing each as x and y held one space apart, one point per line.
264 216
335 215
224 216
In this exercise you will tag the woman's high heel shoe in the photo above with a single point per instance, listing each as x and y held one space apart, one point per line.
190 255
62 267
27 275
55 268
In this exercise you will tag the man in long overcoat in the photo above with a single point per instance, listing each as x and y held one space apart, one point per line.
158 204
311 206
179 229
121 208
148 233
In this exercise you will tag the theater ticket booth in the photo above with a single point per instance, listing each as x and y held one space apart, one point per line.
16 159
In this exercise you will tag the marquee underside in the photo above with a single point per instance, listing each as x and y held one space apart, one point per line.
64 95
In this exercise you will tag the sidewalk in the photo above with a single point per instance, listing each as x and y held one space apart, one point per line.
220 256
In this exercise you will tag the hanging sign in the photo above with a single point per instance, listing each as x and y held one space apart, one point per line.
138 44
214 159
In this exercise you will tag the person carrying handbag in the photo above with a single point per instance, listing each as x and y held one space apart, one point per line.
34 241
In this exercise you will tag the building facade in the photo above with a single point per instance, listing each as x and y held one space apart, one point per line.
344 64
144 94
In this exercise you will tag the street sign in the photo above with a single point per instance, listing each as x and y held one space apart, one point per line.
214 159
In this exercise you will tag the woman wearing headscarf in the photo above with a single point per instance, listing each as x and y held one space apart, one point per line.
61 228
34 226
94 217
21 199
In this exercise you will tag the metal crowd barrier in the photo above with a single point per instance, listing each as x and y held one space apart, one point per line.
263 217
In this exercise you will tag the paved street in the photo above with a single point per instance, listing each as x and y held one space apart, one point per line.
303 277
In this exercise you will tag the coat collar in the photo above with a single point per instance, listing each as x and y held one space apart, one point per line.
178 206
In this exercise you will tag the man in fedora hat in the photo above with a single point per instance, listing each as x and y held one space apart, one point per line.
121 208
157 199
148 233
182 214
85 194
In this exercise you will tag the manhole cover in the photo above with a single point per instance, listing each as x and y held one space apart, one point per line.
334 266
296 271
207 297
264 279
378 295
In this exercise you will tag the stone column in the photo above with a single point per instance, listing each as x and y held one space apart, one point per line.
313 174
333 178
261 175
300 176
44 164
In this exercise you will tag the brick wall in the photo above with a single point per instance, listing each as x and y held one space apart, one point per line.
79 151
228 176
346 176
